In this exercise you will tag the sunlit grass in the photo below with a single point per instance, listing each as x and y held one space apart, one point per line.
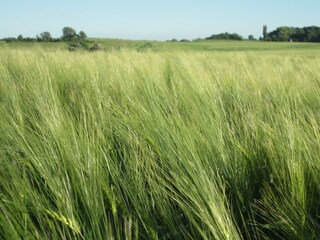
172 145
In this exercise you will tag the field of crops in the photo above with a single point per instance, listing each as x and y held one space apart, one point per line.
160 144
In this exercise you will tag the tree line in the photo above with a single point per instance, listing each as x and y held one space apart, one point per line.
281 34
68 34
225 36
292 34
73 39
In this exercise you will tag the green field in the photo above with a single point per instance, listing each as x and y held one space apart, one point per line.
199 46
154 140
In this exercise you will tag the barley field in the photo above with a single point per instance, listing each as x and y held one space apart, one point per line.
159 144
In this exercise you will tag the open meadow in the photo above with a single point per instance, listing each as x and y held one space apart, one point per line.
160 140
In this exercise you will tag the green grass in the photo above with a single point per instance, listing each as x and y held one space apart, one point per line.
33 45
160 145
212 46
108 45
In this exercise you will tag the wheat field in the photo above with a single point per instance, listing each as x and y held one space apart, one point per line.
159 145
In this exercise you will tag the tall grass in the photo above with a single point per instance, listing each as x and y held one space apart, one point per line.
129 145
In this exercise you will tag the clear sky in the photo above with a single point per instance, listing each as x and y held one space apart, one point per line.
159 20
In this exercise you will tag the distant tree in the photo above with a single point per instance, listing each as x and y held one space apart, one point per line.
82 35
306 34
45 36
10 39
20 37
312 34
29 39
226 36
251 37
282 34
298 35
68 34
265 32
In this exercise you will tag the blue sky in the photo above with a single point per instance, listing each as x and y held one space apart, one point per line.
159 20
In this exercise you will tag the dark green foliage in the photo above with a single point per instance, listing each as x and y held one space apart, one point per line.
45 37
29 39
225 36
56 40
84 45
251 37
265 32
9 39
20 38
77 41
285 34
69 34
82 35
73 46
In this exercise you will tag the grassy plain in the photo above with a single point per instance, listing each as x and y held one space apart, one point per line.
203 140
199 46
